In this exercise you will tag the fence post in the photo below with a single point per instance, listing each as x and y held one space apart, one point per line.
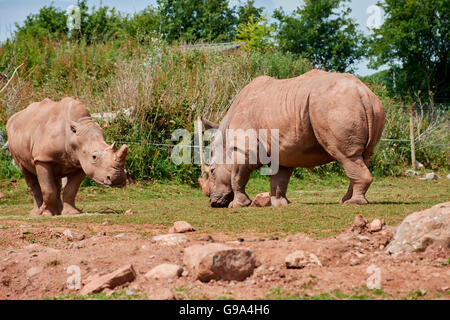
200 139
411 135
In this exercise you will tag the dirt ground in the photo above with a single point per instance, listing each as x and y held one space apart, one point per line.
44 252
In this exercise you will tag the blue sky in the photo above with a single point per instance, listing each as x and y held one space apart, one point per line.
12 11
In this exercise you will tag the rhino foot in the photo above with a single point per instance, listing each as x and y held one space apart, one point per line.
239 204
35 212
279 202
357 200
69 210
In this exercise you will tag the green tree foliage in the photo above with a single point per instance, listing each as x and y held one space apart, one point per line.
247 10
414 38
193 20
255 35
322 31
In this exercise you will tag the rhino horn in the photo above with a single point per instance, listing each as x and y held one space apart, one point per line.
121 154
112 146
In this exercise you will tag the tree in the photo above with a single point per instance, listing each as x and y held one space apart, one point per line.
247 10
322 31
193 20
255 35
414 39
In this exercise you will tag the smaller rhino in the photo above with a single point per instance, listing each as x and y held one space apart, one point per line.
50 140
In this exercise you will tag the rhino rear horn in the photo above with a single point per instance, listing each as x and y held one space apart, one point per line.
209 125
121 154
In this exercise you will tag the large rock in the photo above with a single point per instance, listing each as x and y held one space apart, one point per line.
110 280
421 229
165 271
359 224
261 200
219 262
170 239
73 236
181 227
301 259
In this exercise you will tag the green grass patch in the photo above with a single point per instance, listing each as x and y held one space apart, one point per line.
314 210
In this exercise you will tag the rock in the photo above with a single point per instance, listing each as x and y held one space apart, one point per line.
121 235
419 165
429 176
77 245
376 225
128 212
165 271
34 271
110 280
164 294
448 176
421 229
261 200
219 262
300 259
298 237
359 224
2 196
73 235
170 239
181 227
411 173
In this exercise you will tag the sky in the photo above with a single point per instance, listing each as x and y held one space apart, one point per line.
12 11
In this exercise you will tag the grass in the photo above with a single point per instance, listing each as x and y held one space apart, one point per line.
119 295
362 293
315 207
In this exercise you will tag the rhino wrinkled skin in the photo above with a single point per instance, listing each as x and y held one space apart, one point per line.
50 140
321 117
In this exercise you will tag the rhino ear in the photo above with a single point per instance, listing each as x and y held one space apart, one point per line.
73 126
209 125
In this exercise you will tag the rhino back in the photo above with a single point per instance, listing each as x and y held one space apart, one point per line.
38 132
297 107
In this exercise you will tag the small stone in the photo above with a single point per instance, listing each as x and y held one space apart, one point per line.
110 280
73 235
181 227
411 173
165 271
429 176
218 261
121 235
300 259
2 196
170 239
77 245
359 224
240 239
34 271
164 294
262 200
376 225
128 212
273 238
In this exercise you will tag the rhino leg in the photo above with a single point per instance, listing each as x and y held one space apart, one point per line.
360 180
278 186
35 190
240 175
70 191
51 189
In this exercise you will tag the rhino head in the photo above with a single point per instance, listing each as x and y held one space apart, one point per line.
100 161
216 181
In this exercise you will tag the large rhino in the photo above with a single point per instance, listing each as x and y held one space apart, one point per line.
321 117
50 140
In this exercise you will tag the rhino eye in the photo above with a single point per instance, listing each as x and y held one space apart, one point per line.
94 157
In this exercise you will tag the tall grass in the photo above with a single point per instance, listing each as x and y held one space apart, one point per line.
165 88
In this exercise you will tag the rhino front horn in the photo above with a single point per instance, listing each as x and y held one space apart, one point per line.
121 154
